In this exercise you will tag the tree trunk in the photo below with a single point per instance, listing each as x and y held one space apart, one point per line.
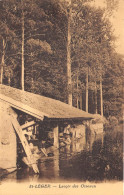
9 80
81 101
101 97
77 92
22 69
95 98
69 82
87 86
2 62
32 84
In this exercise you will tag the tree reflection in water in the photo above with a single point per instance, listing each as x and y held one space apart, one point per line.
100 159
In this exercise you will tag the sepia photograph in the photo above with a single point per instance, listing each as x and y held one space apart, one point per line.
61 97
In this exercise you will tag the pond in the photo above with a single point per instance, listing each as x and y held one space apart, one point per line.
90 158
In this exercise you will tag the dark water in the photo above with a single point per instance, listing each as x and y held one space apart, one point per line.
90 158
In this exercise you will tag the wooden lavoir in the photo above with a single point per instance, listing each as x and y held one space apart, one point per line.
38 107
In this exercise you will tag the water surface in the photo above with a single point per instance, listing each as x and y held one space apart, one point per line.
91 158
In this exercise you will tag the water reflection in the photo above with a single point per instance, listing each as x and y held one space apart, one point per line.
100 159
92 158
80 166
49 167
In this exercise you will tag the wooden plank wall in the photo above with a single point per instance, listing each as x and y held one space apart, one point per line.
8 144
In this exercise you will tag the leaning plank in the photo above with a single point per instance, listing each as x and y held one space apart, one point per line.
24 142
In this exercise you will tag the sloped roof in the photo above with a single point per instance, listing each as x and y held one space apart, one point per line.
40 106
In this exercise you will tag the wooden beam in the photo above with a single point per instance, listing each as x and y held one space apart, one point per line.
28 124
23 107
56 136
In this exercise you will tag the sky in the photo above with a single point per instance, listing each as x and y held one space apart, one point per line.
118 24
117 21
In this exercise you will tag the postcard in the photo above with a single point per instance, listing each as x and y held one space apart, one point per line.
61 97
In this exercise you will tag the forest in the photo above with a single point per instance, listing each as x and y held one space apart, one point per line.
64 50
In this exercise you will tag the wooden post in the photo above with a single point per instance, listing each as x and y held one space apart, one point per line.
56 136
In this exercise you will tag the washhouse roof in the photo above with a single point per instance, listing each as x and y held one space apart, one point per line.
39 106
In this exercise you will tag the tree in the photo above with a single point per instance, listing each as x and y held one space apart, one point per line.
70 8
45 61
92 43
8 40
28 32
113 86
39 42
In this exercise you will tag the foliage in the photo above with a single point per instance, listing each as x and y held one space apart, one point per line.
45 50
